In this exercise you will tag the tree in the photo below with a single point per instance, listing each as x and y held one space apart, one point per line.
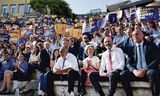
56 7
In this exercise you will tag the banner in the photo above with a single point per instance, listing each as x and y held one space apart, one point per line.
112 18
28 32
86 27
74 32
4 38
146 13
60 28
4 32
158 14
39 31
15 35
49 33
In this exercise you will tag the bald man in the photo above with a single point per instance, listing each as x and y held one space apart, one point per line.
112 63
142 62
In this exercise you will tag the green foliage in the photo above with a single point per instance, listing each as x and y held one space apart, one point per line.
56 7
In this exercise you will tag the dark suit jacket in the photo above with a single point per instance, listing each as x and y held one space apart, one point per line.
152 56
45 60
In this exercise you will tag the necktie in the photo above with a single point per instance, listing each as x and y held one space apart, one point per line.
61 76
139 57
109 67
48 51
63 62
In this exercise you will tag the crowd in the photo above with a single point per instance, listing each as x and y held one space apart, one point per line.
124 51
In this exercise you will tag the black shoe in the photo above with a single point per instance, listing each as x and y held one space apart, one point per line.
6 93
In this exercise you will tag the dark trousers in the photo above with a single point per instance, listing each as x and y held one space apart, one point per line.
70 77
83 80
152 76
113 78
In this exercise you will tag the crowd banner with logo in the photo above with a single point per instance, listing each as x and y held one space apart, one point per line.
49 33
158 14
28 32
4 32
4 38
74 31
15 35
146 13
86 28
39 31
130 12
112 18
60 28
101 23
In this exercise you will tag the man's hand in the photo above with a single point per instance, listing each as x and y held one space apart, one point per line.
57 71
140 73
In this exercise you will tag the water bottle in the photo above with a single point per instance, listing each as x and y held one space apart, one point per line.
17 92
63 92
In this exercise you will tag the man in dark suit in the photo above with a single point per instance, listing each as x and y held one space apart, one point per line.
142 62
45 57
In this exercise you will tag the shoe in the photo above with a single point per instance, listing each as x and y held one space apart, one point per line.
6 93
71 94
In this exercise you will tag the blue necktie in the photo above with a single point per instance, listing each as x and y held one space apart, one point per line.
139 57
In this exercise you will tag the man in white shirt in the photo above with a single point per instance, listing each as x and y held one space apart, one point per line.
66 68
112 63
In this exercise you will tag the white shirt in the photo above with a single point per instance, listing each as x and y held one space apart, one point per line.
95 60
70 62
118 61
34 57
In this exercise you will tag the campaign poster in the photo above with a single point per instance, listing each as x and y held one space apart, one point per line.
60 28
146 13
4 32
15 35
28 32
39 31
49 33
4 38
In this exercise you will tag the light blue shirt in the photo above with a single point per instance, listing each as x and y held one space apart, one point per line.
144 65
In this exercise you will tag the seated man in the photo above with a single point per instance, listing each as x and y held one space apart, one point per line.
112 63
67 68
142 62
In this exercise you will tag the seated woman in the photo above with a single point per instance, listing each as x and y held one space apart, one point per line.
6 63
20 73
34 57
90 64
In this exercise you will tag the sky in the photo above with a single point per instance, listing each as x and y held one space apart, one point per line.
84 6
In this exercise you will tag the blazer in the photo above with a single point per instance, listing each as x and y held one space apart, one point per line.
152 56
44 59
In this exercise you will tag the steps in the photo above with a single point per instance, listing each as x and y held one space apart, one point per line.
139 88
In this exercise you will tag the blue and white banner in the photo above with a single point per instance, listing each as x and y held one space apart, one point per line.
146 13
28 32
4 32
4 38
86 27
112 18
49 33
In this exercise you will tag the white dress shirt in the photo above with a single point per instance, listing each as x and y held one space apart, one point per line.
118 60
70 62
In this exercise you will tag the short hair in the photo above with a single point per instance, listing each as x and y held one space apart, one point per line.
65 39
86 48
